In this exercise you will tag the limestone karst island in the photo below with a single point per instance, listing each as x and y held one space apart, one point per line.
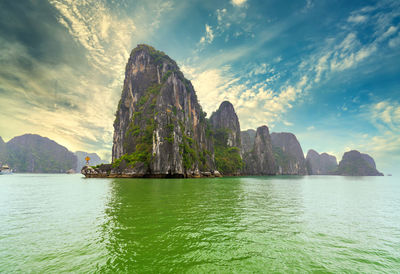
161 130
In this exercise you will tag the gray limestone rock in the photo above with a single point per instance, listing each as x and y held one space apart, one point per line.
289 157
355 163
160 128
225 118
260 160
320 164
247 138
226 137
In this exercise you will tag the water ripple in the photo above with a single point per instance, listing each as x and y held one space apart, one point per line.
61 223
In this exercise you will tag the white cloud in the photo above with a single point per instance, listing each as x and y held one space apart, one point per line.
390 31
357 19
226 18
286 123
260 69
61 104
321 67
384 145
309 4
385 116
106 37
339 54
208 37
74 106
238 3
395 42
255 103
220 15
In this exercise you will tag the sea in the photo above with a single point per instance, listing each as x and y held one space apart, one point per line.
55 223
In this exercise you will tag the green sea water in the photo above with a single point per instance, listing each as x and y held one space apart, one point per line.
66 223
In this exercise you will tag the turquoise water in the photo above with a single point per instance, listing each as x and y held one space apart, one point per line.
66 223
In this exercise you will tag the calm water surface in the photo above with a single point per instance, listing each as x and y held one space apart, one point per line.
66 223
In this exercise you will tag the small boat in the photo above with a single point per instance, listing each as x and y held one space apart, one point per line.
5 169
389 174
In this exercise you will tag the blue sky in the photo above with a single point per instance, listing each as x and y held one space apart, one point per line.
327 71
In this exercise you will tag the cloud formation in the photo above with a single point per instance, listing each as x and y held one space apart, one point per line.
238 3
70 97
208 37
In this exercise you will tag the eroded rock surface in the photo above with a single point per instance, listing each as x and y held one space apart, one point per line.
160 128
260 159
289 156
226 137
247 137
320 164
355 163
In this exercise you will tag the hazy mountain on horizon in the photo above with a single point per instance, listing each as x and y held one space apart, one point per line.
36 154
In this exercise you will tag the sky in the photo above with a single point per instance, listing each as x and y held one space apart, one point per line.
328 71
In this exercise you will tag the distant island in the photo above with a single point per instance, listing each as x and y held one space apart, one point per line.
32 153
160 130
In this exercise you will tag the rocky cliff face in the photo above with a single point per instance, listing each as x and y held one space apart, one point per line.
355 163
225 119
369 160
247 138
260 159
160 129
81 155
320 164
37 154
226 137
289 157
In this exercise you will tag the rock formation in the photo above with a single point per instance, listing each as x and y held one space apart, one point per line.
37 154
369 160
160 130
225 119
260 159
355 163
81 155
247 137
226 137
289 157
320 164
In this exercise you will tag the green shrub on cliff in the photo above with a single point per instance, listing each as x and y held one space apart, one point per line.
228 160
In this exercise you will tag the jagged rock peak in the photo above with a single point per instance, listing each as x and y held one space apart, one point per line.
354 163
312 153
320 164
260 160
289 156
146 54
225 118
247 140
160 128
